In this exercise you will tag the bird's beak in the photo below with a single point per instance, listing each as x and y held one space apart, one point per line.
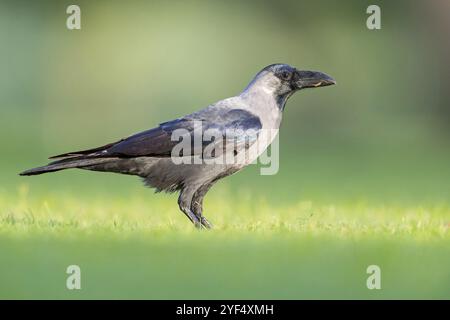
313 79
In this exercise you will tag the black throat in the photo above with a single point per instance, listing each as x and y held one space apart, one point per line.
282 99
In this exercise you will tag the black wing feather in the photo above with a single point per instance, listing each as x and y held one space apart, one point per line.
157 142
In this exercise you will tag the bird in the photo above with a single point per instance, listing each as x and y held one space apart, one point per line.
237 124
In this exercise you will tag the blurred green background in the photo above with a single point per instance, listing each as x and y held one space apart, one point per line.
382 133
380 137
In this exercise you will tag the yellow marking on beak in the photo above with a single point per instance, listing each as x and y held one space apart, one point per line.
318 84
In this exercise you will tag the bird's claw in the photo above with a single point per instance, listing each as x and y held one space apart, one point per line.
206 224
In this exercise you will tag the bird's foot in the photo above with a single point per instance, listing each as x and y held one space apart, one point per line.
205 223
194 219
199 221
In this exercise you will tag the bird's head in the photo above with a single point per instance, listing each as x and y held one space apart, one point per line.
282 80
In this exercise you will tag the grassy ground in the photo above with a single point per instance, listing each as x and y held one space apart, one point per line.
137 245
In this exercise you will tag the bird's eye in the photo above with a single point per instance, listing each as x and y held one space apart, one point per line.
285 75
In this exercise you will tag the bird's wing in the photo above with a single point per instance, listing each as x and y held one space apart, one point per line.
158 142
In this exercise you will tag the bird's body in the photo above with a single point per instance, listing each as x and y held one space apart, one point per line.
150 154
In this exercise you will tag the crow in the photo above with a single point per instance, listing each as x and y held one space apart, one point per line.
236 126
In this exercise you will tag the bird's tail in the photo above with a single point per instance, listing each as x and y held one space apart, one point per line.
67 163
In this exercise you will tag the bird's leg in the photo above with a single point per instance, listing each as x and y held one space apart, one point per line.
196 208
194 219
197 205
184 202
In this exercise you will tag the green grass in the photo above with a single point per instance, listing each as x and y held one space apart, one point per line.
138 245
